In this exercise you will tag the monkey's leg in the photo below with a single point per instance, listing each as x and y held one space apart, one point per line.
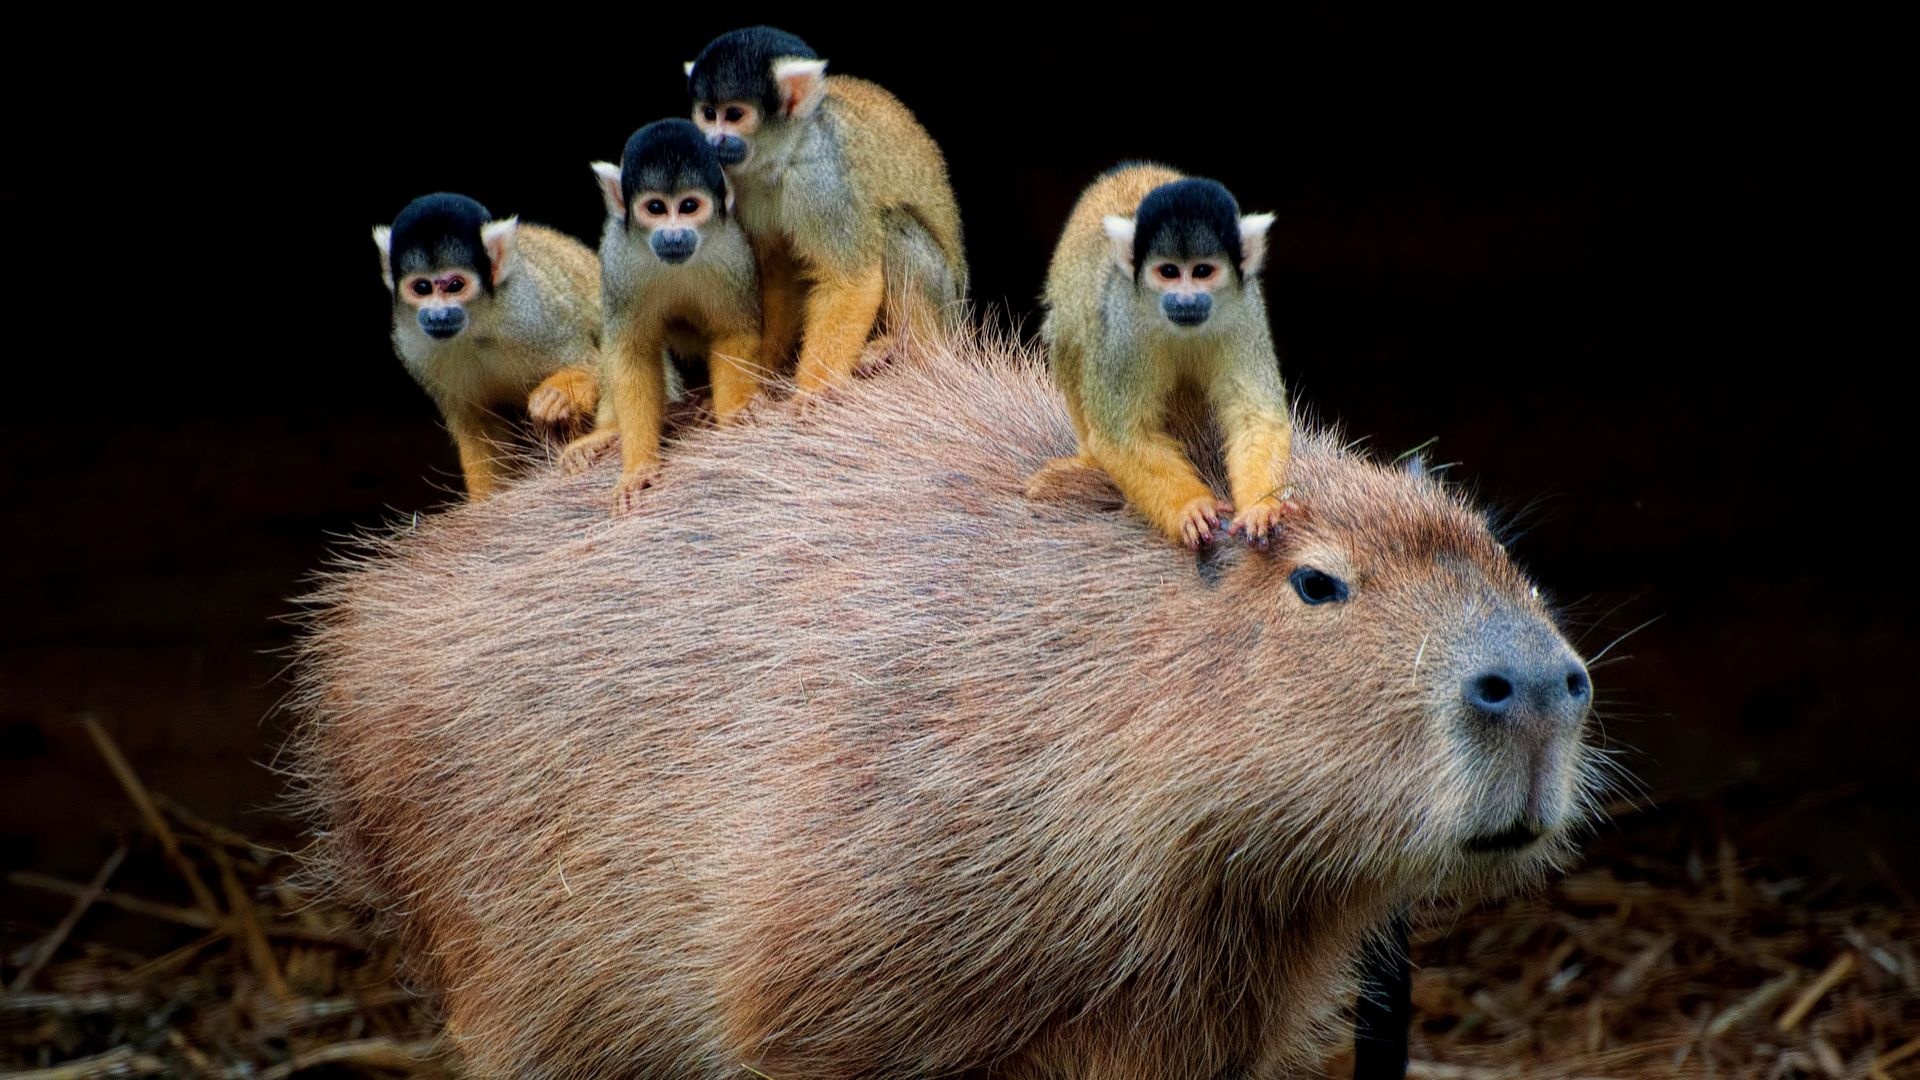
1259 443
1151 469
480 438
638 380
565 399
840 314
737 370
922 297
1077 476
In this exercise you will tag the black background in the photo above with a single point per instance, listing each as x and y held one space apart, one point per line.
1586 251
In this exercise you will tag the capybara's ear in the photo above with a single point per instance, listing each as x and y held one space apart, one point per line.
1215 559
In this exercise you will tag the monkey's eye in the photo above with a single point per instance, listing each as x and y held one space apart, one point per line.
454 285
1167 272
421 287
1318 586
656 207
689 206
1203 271
735 114
708 112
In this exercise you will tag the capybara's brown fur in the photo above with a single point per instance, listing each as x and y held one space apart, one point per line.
842 758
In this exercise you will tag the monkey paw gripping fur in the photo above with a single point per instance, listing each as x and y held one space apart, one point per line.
856 762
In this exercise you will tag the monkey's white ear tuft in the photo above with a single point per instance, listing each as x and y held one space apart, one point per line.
803 85
498 236
383 239
1120 236
609 176
688 68
1253 242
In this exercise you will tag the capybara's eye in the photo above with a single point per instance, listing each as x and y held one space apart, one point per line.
1318 587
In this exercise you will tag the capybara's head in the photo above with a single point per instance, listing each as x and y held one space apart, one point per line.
1435 675
841 756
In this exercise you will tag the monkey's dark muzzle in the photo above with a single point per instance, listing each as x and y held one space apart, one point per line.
675 245
730 149
443 323
1187 310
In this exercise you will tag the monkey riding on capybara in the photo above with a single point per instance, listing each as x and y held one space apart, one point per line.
492 317
846 199
676 272
894 772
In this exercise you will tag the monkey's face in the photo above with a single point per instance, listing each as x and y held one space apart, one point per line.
730 127
673 221
1185 288
439 299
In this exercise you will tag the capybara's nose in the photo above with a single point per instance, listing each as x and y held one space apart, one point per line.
1554 688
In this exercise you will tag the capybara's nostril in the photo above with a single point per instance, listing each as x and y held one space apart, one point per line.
1491 692
1578 685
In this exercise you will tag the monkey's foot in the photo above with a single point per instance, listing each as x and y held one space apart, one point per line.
876 355
581 454
1262 520
1199 519
626 493
811 403
737 412
1074 479
567 398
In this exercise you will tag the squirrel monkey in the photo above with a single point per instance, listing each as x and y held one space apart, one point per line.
844 195
491 315
677 274
1153 292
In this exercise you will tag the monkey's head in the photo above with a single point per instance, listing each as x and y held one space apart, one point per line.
750 88
1188 248
669 185
442 256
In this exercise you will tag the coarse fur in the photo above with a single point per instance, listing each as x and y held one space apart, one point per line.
950 784
531 340
847 200
701 306
1126 369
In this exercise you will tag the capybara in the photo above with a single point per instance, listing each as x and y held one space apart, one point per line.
840 757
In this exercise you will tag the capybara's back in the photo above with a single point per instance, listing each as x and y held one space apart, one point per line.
842 758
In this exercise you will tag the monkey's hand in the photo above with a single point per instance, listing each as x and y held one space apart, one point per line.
1199 518
581 454
626 493
1262 520
567 398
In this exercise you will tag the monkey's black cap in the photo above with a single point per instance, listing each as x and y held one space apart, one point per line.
670 156
1187 219
738 66
438 232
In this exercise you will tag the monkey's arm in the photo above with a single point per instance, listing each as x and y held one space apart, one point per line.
637 379
1124 408
841 311
738 370
567 398
1251 405
481 439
